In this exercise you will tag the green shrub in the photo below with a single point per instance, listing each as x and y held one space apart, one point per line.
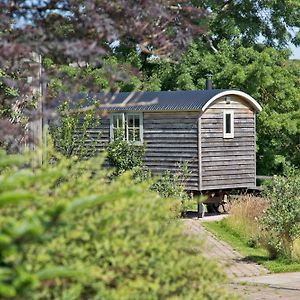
124 156
172 185
282 218
73 136
168 185
65 233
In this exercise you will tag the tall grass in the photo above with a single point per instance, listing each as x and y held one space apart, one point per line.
244 217
243 220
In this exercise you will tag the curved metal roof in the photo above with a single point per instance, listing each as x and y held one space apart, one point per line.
163 100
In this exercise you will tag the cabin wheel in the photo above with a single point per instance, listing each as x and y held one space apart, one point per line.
224 206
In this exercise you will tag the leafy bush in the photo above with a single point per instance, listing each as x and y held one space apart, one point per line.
73 136
282 218
124 156
169 185
67 234
174 186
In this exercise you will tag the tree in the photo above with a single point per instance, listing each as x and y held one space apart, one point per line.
274 23
265 74
83 33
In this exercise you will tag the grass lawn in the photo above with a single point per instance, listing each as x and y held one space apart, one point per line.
258 255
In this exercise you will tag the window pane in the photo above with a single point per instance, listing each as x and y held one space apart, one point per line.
130 120
117 126
133 134
115 121
137 134
121 122
228 123
118 121
137 121
130 135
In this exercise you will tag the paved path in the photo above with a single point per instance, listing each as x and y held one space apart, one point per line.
247 279
233 263
284 286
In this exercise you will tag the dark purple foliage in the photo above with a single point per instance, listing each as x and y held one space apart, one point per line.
71 31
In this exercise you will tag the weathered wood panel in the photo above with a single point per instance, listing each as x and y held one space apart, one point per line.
97 137
172 139
227 163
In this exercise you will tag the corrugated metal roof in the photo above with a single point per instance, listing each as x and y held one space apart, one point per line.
151 101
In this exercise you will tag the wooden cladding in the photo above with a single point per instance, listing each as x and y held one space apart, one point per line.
171 139
215 162
230 162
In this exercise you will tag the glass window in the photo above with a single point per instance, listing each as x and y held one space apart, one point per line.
134 130
228 123
228 128
117 126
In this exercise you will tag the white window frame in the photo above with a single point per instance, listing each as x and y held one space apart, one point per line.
229 135
141 128
111 124
125 126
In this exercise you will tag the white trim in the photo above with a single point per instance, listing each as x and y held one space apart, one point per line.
231 134
141 127
254 117
111 124
199 154
125 126
245 96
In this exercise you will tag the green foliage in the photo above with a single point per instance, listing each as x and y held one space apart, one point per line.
265 74
124 156
282 218
172 185
234 236
5 90
266 21
72 136
76 237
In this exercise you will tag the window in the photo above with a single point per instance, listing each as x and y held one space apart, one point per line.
130 124
117 125
134 128
228 124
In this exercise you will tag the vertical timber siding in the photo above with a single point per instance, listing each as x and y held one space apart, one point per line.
228 163
97 137
172 138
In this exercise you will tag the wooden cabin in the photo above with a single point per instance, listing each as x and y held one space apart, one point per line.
212 130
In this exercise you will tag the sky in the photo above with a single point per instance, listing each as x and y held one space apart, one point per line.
296 52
